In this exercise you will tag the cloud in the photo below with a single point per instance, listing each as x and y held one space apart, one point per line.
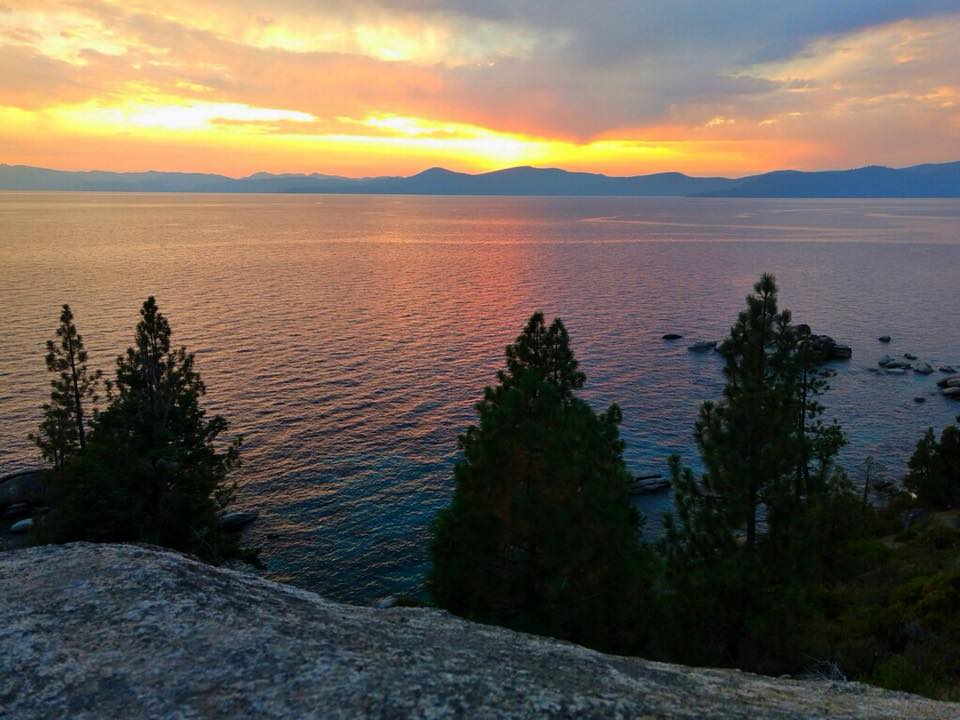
802 74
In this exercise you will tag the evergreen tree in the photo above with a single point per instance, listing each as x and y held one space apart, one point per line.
934 469
747 440
155 469
768 459
540 535
63 429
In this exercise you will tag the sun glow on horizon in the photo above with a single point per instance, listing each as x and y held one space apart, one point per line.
298 138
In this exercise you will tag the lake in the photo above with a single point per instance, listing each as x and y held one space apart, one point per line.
347 337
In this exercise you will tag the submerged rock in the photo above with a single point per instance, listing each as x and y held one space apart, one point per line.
884 338
898 365
94 631
22 526
236 520
919 399
947 369
910 356
702 346
890 362
923 368
646 485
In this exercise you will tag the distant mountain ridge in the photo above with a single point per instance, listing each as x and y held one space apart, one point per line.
940 180
919 181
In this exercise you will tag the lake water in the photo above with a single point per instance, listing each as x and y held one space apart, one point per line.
347 337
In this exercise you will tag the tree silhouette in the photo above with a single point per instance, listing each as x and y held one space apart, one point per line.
62 431
540 534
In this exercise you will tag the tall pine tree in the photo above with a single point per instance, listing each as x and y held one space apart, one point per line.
746 440
746 535
63 430
540 535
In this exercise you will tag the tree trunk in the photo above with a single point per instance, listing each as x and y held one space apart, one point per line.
78 405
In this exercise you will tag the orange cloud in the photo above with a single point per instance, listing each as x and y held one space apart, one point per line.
234 87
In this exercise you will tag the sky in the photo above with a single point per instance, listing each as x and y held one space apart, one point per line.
369 87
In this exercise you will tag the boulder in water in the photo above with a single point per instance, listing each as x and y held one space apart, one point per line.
645 485
948 369
236 520
884 338
702 346
841 352
949 381
672 336
952 392
22 526
924 368
828 347
919 399
910 356
25 486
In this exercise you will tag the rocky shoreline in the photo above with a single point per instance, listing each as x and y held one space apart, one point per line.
22 496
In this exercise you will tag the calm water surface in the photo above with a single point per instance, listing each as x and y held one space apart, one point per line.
347 337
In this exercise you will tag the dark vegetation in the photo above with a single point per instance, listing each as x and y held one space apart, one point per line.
540 535
150 466
771 561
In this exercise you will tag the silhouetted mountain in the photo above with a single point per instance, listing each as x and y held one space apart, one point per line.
23 177
941 180
552 181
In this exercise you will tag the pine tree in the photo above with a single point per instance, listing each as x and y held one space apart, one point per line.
540 535
747 439
934 468
768 458
155 469
63 429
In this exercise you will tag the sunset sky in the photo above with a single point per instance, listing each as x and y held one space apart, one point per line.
372 88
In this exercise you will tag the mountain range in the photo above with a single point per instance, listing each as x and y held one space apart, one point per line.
918 181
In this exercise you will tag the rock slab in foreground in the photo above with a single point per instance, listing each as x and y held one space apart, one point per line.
119 631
